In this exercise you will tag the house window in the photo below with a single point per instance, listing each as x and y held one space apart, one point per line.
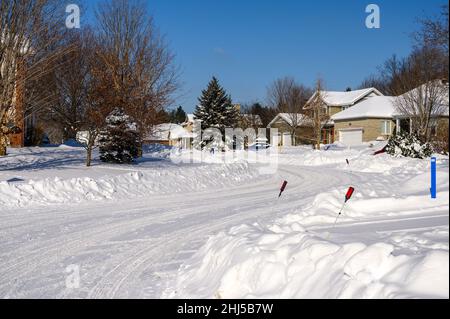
386 128
345 107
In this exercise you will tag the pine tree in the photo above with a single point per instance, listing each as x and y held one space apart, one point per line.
216 109
177 116
119 143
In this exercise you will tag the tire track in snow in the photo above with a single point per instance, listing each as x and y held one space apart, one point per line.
39 255
128 270
29 220
43 253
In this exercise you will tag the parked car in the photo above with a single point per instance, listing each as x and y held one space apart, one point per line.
259 146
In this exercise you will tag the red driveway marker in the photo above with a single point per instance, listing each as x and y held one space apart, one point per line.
348 196
283 187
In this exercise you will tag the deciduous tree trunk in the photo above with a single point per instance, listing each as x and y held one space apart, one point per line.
3 142
89 156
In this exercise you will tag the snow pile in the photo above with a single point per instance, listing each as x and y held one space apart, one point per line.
308 157
358 160
286 261
376 198
300 255
160 180
168 131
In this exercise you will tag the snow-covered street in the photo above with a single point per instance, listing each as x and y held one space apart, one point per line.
157 229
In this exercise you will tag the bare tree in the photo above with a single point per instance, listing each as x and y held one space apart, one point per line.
434 31
432 40
70 84
288 97
417 81
99 101
141 68
434 35
376 82
318 113
422 104
29 30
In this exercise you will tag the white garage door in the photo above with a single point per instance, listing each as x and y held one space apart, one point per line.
350 138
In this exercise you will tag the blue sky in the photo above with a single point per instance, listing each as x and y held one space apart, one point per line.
249 43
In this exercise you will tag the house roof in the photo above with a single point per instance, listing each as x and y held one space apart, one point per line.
190 118
384 106
375 107
168 131
291 118
334 98
439 91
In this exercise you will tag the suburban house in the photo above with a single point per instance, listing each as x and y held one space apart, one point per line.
369 120
377 118
188 124
436 91
170 134
293 129
336 102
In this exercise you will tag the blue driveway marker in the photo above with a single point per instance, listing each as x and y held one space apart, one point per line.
433 177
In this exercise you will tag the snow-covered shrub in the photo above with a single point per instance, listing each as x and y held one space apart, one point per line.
408 145
119 143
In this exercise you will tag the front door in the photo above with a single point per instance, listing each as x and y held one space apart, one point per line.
405 125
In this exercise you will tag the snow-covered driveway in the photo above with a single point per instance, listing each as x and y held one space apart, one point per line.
133 248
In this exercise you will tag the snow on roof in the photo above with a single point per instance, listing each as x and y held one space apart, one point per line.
334 98
168 131
190 118
375 107
291 118
437 89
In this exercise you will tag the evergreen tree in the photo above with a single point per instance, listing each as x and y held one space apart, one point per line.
119 142
216 109
177 116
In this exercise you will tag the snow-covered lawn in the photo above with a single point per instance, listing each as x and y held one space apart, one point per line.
212 230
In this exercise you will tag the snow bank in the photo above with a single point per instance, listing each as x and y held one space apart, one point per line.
379 197
294 257
359 160
161 180
286 261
